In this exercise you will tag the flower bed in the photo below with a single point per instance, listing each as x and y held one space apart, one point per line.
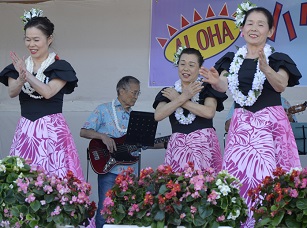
31 198
192 198
281 200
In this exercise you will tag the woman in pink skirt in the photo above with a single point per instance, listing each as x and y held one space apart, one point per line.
190 105
260 137
40 81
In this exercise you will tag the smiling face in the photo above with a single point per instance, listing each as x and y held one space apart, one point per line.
256 29
188 68
37 43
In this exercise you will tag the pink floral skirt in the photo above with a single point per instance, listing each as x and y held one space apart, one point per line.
256 144
47 142
200 147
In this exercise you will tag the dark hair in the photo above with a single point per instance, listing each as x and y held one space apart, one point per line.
263 10
193 51
41 23
125 82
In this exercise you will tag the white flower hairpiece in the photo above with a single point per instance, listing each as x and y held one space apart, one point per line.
241 12
28 15
177 54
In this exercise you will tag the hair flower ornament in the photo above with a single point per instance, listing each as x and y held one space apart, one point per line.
28 15
177 54
241 12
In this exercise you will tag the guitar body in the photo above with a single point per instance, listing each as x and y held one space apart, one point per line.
102 161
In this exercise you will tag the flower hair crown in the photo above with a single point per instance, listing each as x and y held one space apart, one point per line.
241 12
28 15
177 54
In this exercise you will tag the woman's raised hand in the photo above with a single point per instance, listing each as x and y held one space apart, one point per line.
210 76
18 63
170 93
192 89
263 65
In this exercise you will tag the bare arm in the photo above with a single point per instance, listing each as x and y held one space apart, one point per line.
15 86
91 134
206 111
211 76
165 109
45 90
278 80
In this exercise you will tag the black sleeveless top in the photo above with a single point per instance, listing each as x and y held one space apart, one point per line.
199 122
269 97
34 109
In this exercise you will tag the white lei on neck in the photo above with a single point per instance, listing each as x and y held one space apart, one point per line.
27 88
259 78
182 119
116 119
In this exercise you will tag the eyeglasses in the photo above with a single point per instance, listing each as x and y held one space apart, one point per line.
135 93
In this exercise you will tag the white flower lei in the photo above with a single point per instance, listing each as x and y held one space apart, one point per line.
40 74
259 78
116 120
182 119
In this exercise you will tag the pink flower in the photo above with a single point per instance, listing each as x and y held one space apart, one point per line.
182 215
30 198
48 189
293 193
193 209
220 218
108 202
56 211
23 186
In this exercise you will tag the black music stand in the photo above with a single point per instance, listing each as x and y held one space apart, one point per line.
300 133
141 131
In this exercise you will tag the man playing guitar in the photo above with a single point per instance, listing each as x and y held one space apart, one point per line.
108 121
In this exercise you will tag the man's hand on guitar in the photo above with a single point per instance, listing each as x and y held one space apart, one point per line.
109 142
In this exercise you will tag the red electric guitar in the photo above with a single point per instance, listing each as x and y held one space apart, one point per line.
102 161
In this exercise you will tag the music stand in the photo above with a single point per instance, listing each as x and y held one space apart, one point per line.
300 133
141 130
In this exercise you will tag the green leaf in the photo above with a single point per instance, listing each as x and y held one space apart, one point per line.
277 219
160 216
35 205
263 222
49 198
301 204
291 222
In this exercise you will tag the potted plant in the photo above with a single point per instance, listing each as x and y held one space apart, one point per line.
281 200
31 198
161 198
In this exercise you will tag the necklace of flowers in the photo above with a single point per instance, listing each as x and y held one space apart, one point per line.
259 78
27 88
182 119
116 120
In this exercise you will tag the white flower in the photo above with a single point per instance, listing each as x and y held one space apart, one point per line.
2 168
224 189
233 199
28 15
241 12
234 215
19 163
218 182
177 54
